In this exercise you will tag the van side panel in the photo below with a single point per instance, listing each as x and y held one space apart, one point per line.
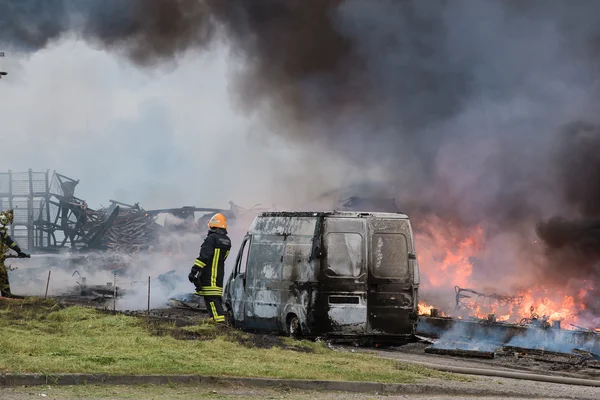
264 268
391 292
281 274
299 280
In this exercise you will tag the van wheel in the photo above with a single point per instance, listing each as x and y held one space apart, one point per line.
229 318
293 326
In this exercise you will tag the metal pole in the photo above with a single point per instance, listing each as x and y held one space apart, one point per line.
47 284
30 233
148 296
2 73
10 200
115 293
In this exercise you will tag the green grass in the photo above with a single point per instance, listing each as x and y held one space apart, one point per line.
43 337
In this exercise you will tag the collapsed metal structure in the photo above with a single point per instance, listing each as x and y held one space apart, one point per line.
49 217
470 299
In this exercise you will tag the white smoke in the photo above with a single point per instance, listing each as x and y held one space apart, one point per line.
165 137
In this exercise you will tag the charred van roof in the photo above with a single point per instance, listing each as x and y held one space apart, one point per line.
342 214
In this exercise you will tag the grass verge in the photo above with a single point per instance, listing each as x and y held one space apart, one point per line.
43 337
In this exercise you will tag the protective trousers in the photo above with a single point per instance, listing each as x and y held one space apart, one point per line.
215 308
4 283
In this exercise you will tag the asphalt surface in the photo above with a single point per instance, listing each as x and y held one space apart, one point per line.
414 352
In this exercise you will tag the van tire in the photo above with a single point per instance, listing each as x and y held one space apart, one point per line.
293 326
229 321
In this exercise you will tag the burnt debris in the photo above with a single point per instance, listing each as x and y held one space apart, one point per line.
481 338
49 217
470 299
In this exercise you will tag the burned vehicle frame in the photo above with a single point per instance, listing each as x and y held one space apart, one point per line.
341 275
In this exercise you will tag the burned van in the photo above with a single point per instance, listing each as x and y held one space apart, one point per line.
348 275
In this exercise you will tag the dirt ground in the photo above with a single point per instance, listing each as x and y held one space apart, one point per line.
181 315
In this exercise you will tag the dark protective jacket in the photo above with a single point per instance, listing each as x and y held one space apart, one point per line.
7 242
211 262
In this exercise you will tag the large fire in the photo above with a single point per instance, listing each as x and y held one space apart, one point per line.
445 260
444 254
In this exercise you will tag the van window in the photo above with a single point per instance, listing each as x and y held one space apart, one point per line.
297 264
390 255
241 268
265 257
344 254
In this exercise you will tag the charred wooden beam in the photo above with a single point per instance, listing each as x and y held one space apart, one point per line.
537 352
460 352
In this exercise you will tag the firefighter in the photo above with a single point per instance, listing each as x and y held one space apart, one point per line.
208 271
7 244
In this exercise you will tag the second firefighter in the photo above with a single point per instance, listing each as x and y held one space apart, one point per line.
208 271
7 244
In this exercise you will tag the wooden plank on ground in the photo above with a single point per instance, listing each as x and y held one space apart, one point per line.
460 352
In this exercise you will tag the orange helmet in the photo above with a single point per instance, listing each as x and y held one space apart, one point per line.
218 221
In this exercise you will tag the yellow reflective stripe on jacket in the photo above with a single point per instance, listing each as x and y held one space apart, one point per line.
5 235
215 264
226 254
199 263
14 244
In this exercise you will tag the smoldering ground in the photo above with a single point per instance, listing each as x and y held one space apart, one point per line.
460 105
167 265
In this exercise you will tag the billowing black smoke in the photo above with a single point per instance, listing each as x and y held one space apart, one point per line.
464 105
148 31
573 237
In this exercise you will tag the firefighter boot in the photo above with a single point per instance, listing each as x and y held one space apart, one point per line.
4 283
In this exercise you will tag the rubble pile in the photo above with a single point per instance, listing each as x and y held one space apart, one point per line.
57 219
480 330
132 231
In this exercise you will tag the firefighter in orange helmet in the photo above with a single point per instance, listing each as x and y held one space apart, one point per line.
208 271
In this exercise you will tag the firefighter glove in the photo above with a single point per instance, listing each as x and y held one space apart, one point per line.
23 255
194 275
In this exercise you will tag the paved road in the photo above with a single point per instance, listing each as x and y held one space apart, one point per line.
415 353
478 387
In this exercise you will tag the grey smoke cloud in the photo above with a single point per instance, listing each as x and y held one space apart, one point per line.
462 106
134 135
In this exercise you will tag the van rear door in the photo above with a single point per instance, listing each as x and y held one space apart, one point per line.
391 294
343 277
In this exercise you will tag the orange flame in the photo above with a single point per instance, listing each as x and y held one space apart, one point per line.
444 255
424 309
